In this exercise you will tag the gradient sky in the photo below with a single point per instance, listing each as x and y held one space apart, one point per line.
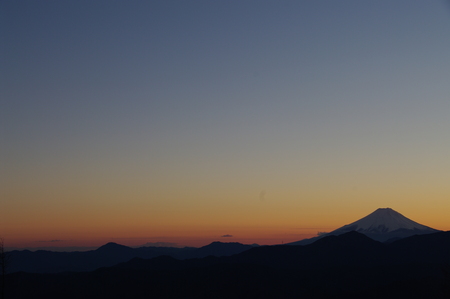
183 121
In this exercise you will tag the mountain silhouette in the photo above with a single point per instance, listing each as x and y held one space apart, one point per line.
110 254
350 265
222 249
112 247
384 224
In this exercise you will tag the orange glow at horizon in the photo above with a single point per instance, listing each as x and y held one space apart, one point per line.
93 218
59 233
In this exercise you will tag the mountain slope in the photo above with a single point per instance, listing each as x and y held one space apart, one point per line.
351 248
381 225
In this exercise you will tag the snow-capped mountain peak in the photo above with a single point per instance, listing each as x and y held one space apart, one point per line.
383 220
382 225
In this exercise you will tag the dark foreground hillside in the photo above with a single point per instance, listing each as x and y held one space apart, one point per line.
347 266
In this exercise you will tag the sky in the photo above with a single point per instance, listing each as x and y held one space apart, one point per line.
188 122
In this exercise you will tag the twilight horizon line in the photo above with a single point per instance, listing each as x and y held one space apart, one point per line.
185 121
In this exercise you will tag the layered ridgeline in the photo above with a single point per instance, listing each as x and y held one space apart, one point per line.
382 225
43 261
350 266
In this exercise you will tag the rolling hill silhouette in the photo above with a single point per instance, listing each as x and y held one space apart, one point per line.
110 254
350 265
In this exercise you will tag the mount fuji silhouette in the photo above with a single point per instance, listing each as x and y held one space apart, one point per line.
384 224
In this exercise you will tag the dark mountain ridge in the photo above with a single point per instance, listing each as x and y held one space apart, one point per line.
110 254
347 266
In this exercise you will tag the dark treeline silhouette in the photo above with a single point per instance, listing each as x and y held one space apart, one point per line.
346 266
